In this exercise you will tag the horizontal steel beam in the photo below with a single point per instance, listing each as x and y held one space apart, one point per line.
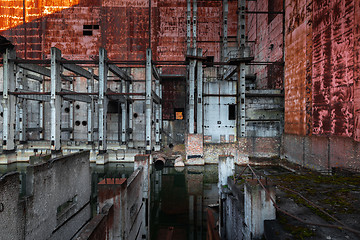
119 72
34 77
73 96
36 69
80 71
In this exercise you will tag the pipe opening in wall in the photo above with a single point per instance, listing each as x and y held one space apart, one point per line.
84 123
77 106
77 123
135 115
67 110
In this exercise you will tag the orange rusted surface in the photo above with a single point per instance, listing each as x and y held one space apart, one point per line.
16 12
357 71
295 67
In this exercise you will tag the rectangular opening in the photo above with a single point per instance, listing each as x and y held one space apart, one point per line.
87 33
87 26
95 26
232 112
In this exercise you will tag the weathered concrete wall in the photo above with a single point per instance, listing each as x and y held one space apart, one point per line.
12 218
58 198
322 153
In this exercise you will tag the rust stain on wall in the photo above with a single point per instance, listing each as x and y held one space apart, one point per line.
357 71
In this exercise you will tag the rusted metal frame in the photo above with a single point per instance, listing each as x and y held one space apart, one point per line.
295 217
55 100
8 101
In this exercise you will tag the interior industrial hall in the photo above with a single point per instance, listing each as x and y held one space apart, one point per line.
116 95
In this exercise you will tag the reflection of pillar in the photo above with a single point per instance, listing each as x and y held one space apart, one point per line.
199 214
258 207
191 217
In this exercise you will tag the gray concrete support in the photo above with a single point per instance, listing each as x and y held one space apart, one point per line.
194 22
199 108
191 103
41 113
8 101
157 116
124 116
188 25
241 125
55 102
102 101
22 105
71 114
160 119
225 29
148 101
226 169
130 142
258 208
90 109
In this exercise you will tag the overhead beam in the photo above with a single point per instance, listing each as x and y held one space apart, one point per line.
120 73
79 71
74 96
36 69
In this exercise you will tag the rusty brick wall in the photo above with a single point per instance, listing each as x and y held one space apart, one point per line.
357 72
265 33
333 62
123 28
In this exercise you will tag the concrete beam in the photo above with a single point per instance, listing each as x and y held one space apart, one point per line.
55 99
102 101
79 71
199 107
74 96
8 101
148 101
120 73
36 69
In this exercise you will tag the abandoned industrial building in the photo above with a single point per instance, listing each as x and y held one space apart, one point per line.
179 119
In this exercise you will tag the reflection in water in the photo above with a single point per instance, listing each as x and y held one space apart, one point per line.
179 198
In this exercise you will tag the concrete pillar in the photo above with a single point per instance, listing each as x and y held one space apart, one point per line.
188 26
258 207
8 101
225 29
90 108
160 118
55 100
148 101
124 115
102 101
226 168
130 142
22 116
194 22
71 114
191 95
157 116
41 112
144 162
199 108
241 88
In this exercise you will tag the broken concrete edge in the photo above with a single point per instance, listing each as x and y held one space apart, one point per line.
9 176
91 227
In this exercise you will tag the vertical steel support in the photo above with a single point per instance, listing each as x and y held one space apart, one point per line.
160 110
22 81
157 116
41 112
148 100
90 108
130 144
71 114
8 101
194 22
124 116
102 102
191 95
199 108
241 124
188 25
55 100
225 29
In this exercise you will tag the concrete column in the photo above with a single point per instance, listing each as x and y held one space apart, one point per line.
226 168
194 22
160 119
124 116
22 81
157 117
191 95
41 112
241 124
188 25
102 101
130 143
148 101
90 108
258 208
225 29
55 100
8 101
199 108
71 114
